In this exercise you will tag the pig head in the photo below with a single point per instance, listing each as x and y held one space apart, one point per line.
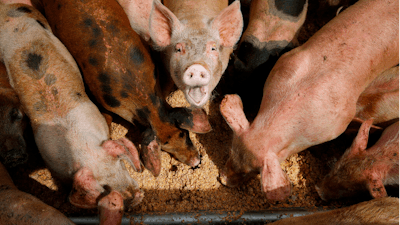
195 40
361 169
12 142
71 134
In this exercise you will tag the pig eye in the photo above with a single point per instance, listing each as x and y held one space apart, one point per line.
213 47
15 114
179 48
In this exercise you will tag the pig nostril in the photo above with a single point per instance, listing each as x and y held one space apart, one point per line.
191 75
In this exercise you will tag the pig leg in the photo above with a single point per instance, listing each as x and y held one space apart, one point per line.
275 182
111 209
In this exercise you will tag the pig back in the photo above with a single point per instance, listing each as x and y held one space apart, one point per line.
193 10
115 64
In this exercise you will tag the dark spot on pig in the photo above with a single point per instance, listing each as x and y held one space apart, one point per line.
50 79
155 100
148 136
88 22
39 106
104 78
41 24
111 101
136 56
33 61
143 114
24 9
79 94
18 11
325 57
54 91
93 43
253 53
124 94
290 7
93 61
112 28
96 31
16 30
394 154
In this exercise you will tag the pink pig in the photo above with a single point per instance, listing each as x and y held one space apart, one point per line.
311 93
71 134
195 39
361 168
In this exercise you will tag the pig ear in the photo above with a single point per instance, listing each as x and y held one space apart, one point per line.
162 23
232 110
194 120
229 24
275 182
360 142
376 187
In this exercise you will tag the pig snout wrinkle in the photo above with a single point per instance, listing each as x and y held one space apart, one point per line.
196 75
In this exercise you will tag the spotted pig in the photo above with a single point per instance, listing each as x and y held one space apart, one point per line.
71 134
121 75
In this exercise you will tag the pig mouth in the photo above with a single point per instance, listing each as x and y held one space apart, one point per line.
197 96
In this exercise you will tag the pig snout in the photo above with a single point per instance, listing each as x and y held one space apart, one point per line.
196 75
196 79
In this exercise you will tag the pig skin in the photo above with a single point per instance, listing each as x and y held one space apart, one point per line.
117 68
71 134
382 211
12 143
311 93
380 100
362 169
17 207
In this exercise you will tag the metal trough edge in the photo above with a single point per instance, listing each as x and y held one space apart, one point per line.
204 217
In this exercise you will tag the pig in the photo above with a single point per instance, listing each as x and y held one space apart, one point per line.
12 143
17 207
380 100
195 40
272 30
311 93
374 212
122 77
71 134
362 169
